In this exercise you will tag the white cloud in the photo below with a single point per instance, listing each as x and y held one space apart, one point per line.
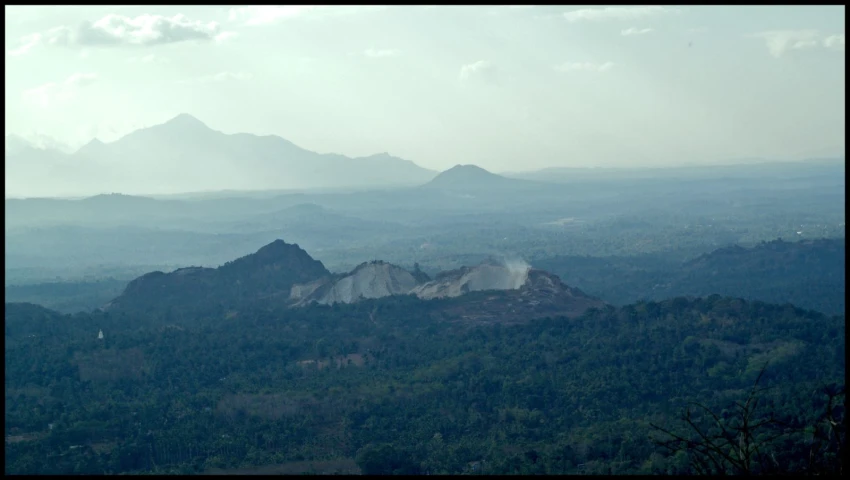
218 77
378 53
698 30
635 31
59 36
106 131
780 41
481 68
145 29
225 36
835 42
118 30
584 67
25 44
53 92
617 13
801 44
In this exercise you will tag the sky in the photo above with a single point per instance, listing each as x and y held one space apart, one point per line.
508 88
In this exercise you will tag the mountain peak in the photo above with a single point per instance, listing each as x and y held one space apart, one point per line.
467 172
270 271
279 254
275 250
466 176
184 120
276 245
184 129
468 168
90 147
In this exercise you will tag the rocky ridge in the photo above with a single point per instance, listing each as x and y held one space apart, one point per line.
492 291
284 273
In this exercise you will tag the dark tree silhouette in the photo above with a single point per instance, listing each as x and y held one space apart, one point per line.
745 443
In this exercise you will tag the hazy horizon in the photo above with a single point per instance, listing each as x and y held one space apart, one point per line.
510 89
43 141
506 88
424 240
51 143
538 176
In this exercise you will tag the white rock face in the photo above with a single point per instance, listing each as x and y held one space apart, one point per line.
487 276
370 280
380 279
303 291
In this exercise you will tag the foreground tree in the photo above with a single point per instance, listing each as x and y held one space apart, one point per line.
748 443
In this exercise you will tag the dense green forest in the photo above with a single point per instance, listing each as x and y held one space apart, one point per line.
807 273
396 386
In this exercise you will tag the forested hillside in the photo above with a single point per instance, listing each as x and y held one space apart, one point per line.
636 265
807 273
385 386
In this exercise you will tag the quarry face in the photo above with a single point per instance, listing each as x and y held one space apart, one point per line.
487 276
373 280
381 279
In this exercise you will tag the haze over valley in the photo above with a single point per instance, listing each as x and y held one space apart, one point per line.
425 240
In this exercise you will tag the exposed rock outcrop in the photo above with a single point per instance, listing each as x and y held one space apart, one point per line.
368 280
490 275
502 291
541 295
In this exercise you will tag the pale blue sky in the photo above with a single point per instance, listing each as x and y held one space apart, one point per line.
505 88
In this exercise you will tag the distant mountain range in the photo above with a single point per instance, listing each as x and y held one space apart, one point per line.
184 155
15 144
